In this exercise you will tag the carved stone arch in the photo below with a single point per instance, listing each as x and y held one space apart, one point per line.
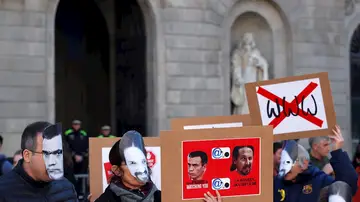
155 62
280 36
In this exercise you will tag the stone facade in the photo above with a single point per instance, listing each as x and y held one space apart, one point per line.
191 45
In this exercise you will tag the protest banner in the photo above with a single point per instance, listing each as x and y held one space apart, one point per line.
190 123
235 161
100 167
296 107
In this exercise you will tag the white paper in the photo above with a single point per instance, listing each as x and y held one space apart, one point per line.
218 125
289 90
156 170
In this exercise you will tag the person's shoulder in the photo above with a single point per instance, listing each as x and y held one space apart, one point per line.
8 180
62 190
107 196
69 131
62 183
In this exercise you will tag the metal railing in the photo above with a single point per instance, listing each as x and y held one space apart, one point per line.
84 184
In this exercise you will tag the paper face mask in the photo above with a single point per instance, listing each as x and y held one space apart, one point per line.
53 151
291 153
132 150
339 192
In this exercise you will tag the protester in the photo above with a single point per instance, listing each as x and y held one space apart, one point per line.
5 165
17 156
39 175
336 192
131 181
277 148
298 181
77 139
319 151
105 132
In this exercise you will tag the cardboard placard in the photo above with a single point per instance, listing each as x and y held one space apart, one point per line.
307 100
99 149
203 160
210 122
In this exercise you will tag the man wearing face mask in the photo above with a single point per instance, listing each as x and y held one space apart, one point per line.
299 181
131 181
39 175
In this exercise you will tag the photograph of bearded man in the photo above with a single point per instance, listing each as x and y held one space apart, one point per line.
242 159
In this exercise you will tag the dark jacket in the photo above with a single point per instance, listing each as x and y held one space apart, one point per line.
308 184
5 165
18 186
78 141
116 193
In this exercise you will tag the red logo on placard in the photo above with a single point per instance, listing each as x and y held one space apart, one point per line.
151 159
108 173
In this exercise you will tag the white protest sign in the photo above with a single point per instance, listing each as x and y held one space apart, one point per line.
218 125
303 103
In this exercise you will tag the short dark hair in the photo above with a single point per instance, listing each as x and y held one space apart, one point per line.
51 131
28 137
18 152
235 154
1 140
277 146
203 156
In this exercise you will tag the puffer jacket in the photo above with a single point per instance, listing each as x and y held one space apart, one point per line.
18 186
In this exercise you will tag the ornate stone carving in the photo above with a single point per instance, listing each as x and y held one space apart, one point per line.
248 65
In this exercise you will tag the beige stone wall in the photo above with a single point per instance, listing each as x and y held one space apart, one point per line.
189 56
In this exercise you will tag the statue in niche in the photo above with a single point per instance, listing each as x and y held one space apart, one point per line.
248 65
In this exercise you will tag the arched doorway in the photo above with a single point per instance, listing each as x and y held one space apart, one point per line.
98 81
131 79
355 82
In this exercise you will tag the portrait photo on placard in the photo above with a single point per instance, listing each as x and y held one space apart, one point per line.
231 165
153 160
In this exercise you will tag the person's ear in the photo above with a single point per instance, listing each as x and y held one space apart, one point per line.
27 155
116 170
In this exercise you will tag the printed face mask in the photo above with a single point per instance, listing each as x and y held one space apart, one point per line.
132 150
291 153
53 151
339 192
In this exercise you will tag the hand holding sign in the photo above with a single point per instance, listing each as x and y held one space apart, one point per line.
210 198
337 138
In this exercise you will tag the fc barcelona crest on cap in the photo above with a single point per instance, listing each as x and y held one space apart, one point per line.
307 189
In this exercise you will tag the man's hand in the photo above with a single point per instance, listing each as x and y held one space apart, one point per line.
328 169
78 158
90 198
210 198
337 139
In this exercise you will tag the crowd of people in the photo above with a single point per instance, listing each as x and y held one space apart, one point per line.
43 169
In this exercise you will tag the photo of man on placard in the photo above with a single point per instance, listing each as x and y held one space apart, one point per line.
197 162
242 159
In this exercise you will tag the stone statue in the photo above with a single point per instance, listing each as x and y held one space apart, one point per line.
248 65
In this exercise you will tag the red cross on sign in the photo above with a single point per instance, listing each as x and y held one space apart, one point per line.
293 105
151 159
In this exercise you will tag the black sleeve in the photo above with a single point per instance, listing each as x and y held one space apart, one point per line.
343 169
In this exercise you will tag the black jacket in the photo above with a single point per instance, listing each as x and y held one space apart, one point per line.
116 193
78 141
18 186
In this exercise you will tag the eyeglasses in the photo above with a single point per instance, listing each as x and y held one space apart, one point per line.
47 153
